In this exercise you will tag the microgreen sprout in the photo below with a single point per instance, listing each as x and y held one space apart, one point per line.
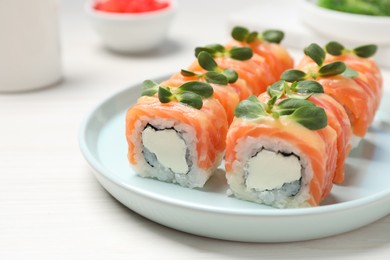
302 111
190 93
287 99
242 34
217 50
214 73
298 89
337 49
251 108
317 54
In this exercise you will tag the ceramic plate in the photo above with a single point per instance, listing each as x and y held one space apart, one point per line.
362 199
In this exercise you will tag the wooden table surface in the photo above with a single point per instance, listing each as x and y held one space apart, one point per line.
52 207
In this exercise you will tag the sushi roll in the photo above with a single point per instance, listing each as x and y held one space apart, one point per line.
339 82
176 134
280 154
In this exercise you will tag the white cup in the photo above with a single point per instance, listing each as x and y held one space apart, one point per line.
30 55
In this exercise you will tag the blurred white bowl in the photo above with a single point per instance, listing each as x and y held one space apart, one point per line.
131 32
346 27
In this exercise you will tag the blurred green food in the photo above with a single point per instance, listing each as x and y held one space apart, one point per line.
367 7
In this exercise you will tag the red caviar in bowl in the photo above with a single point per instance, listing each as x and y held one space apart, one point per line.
130 6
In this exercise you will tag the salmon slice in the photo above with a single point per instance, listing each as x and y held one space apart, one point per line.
354 100
338 120
369 77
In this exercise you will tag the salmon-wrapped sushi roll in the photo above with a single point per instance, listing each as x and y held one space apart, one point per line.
362 85
266 45
337 117
342 87
176 135
282 154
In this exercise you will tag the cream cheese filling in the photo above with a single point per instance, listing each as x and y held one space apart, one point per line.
168 146
269 170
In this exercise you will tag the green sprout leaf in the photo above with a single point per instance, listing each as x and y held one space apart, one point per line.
289 105
231 75
300 110
149 88
271 103
202 89
316 53
165 95
308 87
252 36
250 108
217 50
253 98
190 93
240 33
274 36
311 117
276 89
216 78
206 61
187 73
200 49
212 49
365 51
334 48
241 53
350 73
292 75
332 69
190 98
216 47
300 96
215 74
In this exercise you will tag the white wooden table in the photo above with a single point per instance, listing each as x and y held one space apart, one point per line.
51 206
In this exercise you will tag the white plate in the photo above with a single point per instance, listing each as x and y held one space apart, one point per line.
364 198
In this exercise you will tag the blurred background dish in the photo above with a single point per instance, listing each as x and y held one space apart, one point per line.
347 27
367 7
304 22
133 28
